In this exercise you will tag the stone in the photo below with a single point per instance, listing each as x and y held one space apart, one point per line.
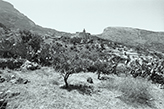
30 65
2 80
89 80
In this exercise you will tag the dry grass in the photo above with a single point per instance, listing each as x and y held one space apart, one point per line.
45 92
135 91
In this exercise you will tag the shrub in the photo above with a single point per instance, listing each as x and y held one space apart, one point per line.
25 35
11 63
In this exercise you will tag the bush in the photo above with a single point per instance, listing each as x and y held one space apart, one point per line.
11 63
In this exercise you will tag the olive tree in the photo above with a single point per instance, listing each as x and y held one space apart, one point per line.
67 64
101 67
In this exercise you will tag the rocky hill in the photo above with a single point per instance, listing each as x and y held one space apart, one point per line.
135 37
12 18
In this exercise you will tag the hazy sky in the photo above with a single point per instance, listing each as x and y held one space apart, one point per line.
93 15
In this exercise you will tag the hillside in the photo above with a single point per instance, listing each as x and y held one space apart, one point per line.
12 18
42 68
135 37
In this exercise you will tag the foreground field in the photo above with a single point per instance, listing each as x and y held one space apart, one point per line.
45 90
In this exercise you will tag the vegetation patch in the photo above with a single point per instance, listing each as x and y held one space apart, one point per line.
136 91
11 63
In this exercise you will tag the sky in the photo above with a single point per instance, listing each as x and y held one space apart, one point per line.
93 15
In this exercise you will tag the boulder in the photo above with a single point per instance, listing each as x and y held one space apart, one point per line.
2 79
30 65
89 80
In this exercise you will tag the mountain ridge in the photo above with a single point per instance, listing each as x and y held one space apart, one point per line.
134 37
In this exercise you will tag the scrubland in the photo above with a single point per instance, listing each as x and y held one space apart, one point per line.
45 91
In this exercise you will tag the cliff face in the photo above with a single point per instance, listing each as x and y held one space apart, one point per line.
135 37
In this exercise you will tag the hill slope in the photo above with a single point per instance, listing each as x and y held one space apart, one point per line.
25 84
135 37
44 91
12 18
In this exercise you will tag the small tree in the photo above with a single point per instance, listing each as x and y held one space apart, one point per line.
67 65
25 35
102 67
66 71
35 42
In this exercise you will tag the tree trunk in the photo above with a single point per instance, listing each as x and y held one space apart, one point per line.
98 75
65 80
66 83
